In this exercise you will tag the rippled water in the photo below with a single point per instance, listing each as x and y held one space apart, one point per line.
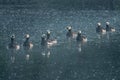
97 59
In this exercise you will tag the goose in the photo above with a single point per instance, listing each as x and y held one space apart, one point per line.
100 29
13 44
27 43
109 28
80 37
49 40
70 33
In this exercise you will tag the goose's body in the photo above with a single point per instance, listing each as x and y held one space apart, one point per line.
49 40
71 34
14 46
52 42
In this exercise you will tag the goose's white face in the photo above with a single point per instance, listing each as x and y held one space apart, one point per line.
43 35
79 32
69 27
99 24
27 35
48 31
13 36
107 23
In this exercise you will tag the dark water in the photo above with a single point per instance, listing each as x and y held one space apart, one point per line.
64 4
98 59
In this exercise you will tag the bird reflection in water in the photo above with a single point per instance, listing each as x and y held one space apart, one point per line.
46 51
80 46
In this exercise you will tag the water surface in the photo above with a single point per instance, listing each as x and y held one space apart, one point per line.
97 59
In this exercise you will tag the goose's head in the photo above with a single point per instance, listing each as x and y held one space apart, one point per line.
79 32
99 24
27 36
13 36
69 28
48 32
107 23
43 36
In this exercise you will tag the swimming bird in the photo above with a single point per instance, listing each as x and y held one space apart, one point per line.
80 37
49 40
70 33
13 44
46 40
27 43
109 28
100 29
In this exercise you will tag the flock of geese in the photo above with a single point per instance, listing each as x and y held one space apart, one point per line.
46 39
